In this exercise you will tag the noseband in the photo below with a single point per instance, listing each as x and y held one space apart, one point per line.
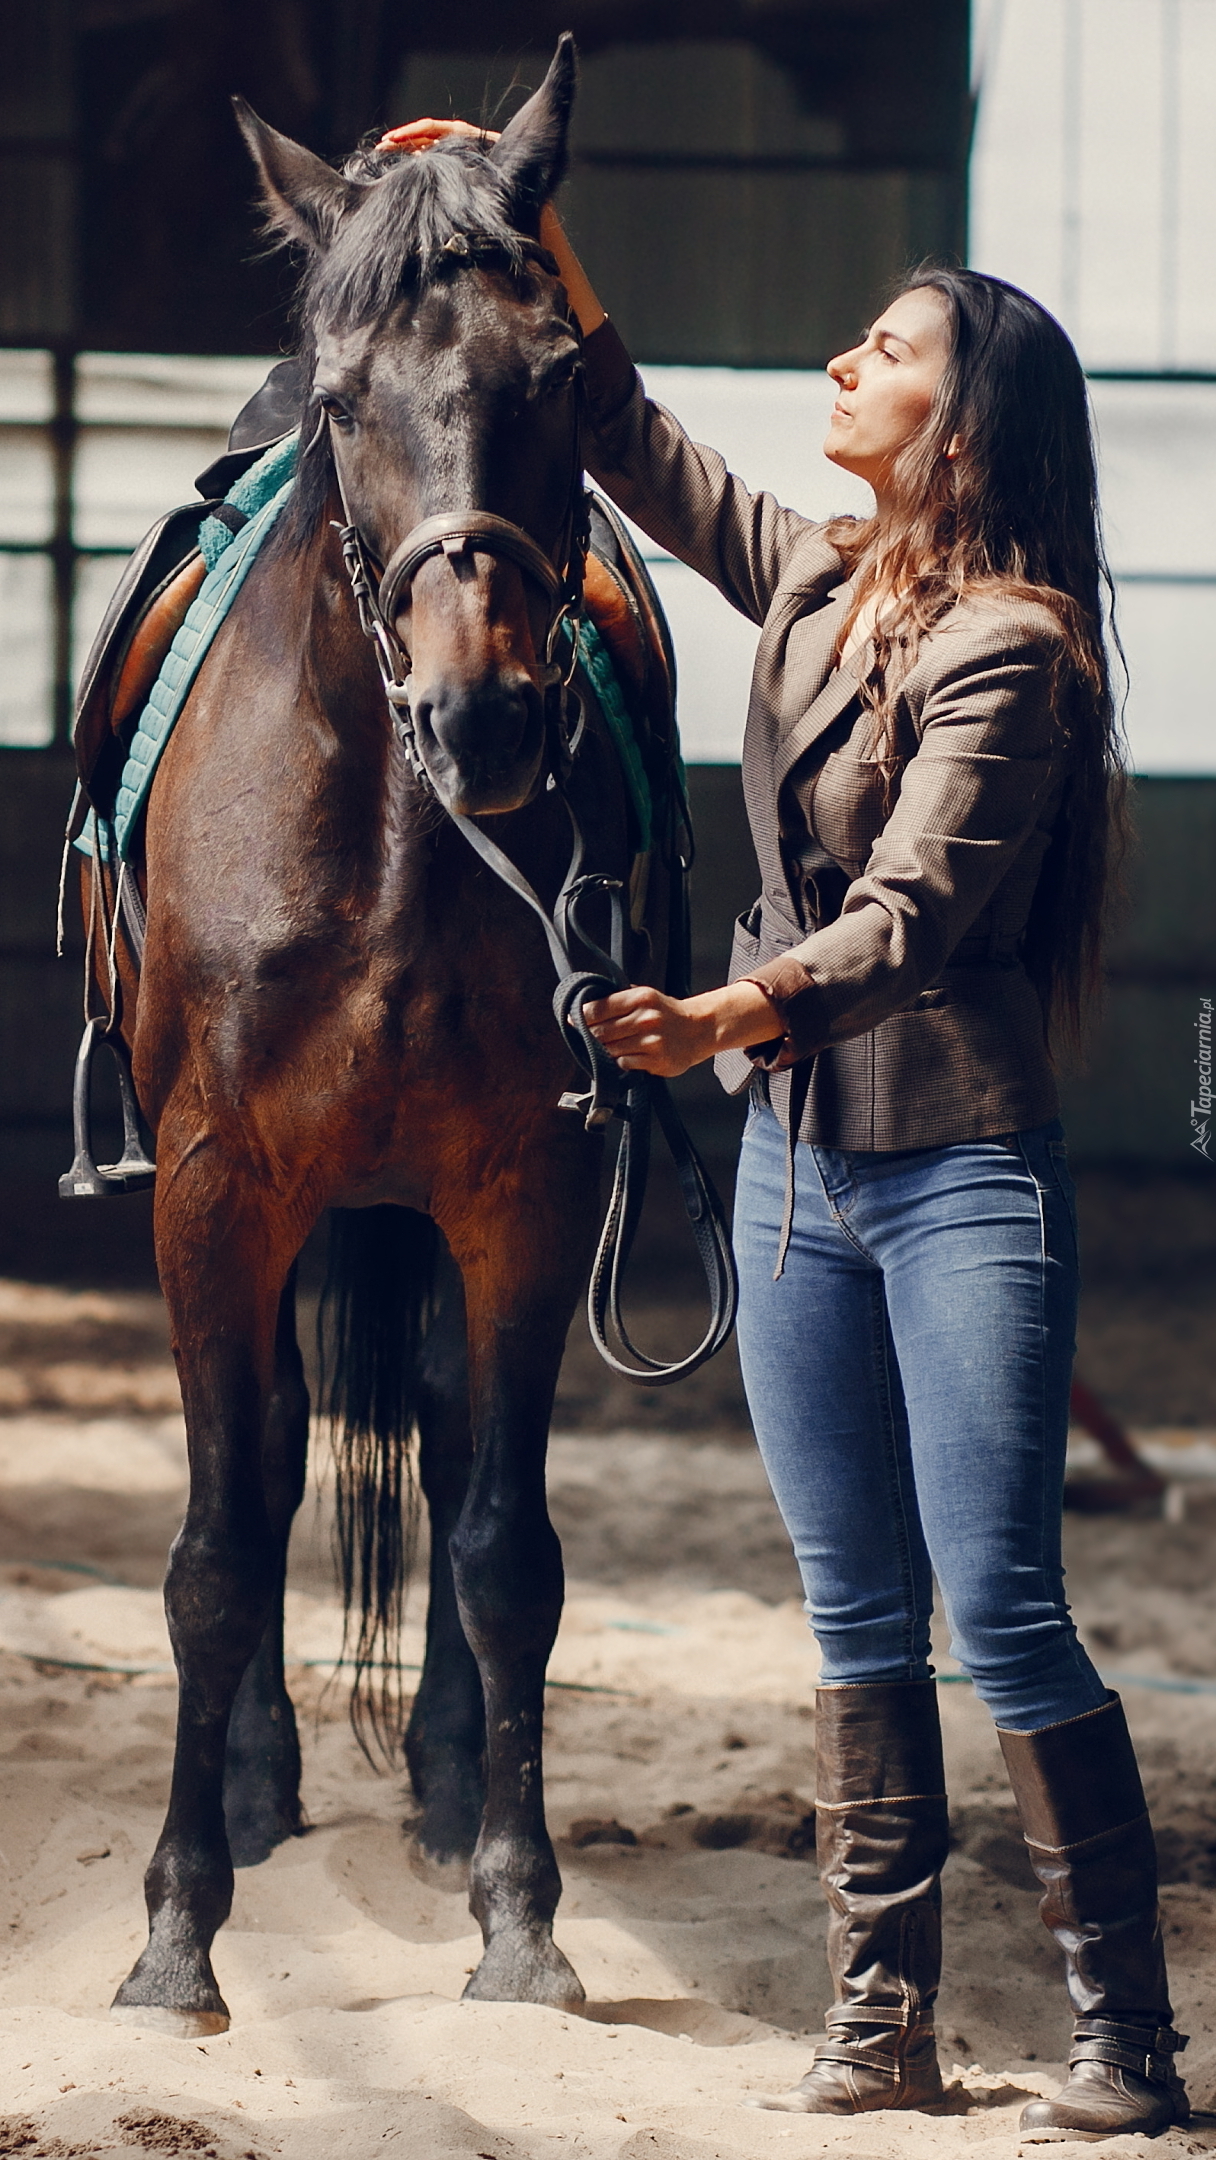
456 534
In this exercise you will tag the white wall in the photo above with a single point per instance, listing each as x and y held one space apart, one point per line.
1094 187
769 425
1094 170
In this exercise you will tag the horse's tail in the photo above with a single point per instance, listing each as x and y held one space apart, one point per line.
373 1316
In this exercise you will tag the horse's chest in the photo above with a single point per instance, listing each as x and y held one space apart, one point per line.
449 1031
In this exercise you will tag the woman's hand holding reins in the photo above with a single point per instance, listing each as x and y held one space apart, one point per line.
645 1031
417 135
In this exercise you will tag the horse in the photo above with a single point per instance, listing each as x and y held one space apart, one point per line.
340 1007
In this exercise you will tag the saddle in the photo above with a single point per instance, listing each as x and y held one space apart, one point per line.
146 611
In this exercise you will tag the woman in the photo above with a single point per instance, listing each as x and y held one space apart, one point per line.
931 770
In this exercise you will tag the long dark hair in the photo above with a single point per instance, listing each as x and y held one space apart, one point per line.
997 492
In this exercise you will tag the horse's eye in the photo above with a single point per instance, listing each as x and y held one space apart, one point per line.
562 377
334 410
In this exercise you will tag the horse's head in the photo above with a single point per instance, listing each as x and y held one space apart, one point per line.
445 364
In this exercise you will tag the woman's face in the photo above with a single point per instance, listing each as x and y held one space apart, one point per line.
887 385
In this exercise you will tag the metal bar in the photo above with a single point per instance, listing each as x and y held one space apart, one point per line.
1171 176
47 547
1164 577
1151 375
142 427
62 551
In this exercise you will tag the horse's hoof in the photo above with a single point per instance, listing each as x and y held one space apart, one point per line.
526 1968
174 2024
440 1871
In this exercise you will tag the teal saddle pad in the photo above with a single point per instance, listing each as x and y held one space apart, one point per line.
229 562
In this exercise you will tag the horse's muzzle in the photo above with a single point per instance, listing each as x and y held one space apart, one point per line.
482 746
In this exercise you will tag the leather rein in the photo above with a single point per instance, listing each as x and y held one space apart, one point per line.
633 1098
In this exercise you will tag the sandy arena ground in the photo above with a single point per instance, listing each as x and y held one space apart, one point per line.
680 1765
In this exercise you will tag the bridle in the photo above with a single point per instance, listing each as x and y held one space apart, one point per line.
454 533
457 533
632 1097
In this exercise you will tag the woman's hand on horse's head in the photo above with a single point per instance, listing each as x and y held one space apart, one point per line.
418 135
645 1031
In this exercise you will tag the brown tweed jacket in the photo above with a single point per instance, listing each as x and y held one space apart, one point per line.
890 940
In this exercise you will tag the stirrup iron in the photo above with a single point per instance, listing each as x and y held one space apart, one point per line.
136 1169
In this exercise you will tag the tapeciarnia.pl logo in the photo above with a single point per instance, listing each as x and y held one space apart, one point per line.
1201 1111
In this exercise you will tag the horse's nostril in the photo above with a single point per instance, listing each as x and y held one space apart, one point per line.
483 746
489 725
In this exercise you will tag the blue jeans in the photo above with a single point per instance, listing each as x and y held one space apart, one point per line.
908 1378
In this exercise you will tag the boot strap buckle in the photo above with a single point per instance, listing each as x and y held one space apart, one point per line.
1147 2054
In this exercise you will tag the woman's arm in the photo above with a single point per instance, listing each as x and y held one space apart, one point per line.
646 1031
579 289
678 491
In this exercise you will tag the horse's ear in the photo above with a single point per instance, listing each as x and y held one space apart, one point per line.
531 151
306 200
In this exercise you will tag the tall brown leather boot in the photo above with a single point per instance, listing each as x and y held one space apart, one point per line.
1079 1795
882 1837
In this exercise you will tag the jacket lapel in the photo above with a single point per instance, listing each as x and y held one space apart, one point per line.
838 692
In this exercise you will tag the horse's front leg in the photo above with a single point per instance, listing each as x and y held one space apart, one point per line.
222 1279
521 1281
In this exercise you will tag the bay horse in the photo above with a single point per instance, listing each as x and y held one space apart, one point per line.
340 1007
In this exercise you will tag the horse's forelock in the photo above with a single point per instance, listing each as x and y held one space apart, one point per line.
397 239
